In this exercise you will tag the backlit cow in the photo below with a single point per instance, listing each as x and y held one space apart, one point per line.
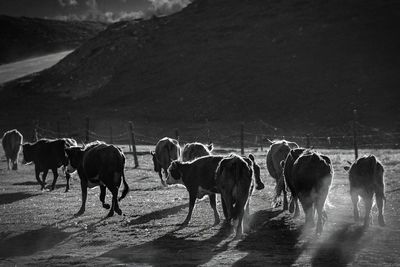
235 183
47 155
99 164
198 177
312 175
366 179
11 142
287 166
276 153
195 150
167 150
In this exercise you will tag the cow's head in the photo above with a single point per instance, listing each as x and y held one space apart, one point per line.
175 175
75 157
257 172
27 153
156 163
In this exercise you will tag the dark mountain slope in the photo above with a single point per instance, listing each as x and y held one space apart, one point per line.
26 37
295 64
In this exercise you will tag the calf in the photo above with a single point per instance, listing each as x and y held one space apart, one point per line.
366 179
99 164
311 178
235 183
277 152
195 150
11 142
166 151
198 177
287 166
47 155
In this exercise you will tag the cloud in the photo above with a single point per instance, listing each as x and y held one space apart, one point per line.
67 2
167 7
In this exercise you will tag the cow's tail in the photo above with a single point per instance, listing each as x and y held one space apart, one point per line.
126 187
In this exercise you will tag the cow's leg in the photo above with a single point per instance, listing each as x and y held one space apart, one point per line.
322 217
368 206
15 164
213 203
161 179
224 209
112 183
285 201
240 207
354 199
44 175
103 196
84 185
55 176
8 163
192 202
67 177
307 204
379 196
37 176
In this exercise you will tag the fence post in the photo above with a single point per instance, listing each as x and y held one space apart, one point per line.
87 130
133 143
355 133
177 134
35 131
111 135
261 142
208 132
308 145
242 138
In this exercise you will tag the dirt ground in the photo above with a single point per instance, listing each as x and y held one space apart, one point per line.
38 227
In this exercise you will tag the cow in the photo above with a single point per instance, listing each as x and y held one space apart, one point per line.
235 183
47 154
99 164
287 166
276 153
195 150
198 177
312 175
366 179
166 151
11 142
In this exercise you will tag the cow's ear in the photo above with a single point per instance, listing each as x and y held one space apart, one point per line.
210 147
251 157
346 168
152 153
348 162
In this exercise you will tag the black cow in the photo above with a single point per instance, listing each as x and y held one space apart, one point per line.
99 164
11 142
166 151
311 178
47 155
366 179
287 166
198 177
235 183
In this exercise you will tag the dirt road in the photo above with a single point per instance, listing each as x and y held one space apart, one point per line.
38 227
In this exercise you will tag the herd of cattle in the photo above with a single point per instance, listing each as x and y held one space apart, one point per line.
306 174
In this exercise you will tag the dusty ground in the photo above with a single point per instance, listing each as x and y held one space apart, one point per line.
38 227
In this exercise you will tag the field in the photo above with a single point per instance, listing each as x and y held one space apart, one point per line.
38 227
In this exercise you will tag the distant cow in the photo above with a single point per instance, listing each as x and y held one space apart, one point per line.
99 164
287 166
11 142
195 150
198 177
47 155
312 176
366 179
276 153
234 182
167 150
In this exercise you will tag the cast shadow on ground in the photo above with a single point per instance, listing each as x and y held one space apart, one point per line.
27 183
271 241
157 215
170 249
30 242
341 246
13 197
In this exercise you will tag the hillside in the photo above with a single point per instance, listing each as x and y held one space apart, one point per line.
301 65
27 37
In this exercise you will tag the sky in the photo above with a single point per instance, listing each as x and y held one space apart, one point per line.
101 10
